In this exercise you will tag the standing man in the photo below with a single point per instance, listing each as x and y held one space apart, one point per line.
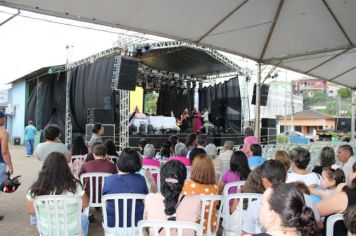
5 157
30 132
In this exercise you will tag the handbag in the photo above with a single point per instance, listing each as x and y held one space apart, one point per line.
10 185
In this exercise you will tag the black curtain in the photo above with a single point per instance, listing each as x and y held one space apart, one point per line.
90 88
47 102
224 103
174 99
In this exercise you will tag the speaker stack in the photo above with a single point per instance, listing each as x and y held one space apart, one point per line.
268 131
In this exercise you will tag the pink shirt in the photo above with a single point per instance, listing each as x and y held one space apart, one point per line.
248 141
184 160
150 162
188 210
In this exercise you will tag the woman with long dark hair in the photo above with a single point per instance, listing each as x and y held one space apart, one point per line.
55 178
283 212
170 204
191 141
239 170
165 152
79 147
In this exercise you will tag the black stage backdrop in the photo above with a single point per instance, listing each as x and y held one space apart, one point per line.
46 104
224 102
174 99
90 88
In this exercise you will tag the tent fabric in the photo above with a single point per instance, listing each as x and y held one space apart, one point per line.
90 88
313 37
224 104
184 60
46 104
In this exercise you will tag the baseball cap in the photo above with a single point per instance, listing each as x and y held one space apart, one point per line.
2 114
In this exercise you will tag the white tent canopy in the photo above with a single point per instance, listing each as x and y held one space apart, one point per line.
314 37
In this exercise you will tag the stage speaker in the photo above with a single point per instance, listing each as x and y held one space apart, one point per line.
264 94
103 116
344 124
268 123
268 135
109 132
126 73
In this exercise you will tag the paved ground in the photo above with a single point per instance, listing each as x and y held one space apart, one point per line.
12 206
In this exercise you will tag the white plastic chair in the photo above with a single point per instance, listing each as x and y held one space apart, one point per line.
235 219
330 222
218 173
121 201
58 215
94 179
154 171
225 165
113 159
176 228
208 205
236 184
76 165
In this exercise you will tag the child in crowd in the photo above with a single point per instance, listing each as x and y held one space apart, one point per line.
331 178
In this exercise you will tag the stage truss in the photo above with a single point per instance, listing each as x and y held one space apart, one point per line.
124 94
207 78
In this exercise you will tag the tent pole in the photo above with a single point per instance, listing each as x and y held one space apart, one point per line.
353 114
10 18
258 103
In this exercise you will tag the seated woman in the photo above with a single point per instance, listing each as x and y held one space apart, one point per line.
165 152
55 178
181 152
126 181
239 170
170 204
202 182
326 159
283 212
300 158
111 148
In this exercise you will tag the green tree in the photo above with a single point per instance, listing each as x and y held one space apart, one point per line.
344 92
151 99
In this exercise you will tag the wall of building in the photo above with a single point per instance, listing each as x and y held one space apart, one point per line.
305 123
16 122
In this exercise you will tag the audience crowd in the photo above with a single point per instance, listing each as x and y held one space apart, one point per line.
294 200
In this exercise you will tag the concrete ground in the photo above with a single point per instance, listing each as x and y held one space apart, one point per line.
12 205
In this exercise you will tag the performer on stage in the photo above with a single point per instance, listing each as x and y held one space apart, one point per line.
184 120
196 121
206 121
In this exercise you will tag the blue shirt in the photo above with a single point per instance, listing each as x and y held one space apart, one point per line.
125 183
255 161
30 132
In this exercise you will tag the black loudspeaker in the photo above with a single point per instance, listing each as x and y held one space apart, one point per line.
127 73
268 123
344 124
264 94
268 135
103 116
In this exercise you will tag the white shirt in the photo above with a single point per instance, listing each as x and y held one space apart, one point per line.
226 155
347 169
307 179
